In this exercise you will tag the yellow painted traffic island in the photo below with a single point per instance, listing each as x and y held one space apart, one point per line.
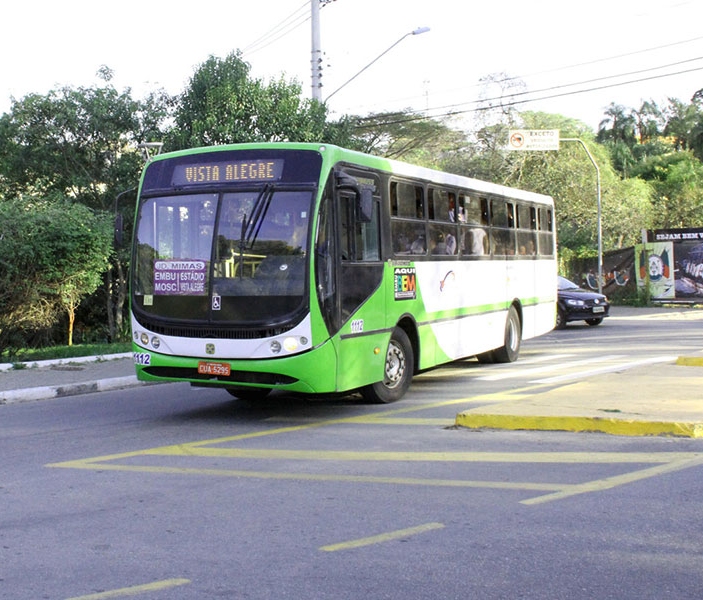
667 401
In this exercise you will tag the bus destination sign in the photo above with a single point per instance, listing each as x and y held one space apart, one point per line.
237 171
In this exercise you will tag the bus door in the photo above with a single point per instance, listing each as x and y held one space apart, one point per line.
349 278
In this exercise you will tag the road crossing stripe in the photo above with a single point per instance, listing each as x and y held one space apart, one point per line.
513 373
603 370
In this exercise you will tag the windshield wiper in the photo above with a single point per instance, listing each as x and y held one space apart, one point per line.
252 226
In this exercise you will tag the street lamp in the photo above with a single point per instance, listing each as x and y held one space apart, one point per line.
599 215
417 31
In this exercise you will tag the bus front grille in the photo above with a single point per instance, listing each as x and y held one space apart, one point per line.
218 333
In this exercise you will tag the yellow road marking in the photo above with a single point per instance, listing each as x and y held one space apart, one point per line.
607 483
383 537
135 590
298 476
385 456
212 448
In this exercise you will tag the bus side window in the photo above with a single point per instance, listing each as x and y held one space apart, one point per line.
407 200
503 235
546 235
442 205
527 225
408 237
473 210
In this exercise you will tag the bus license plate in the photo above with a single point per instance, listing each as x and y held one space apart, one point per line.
214 368
598 309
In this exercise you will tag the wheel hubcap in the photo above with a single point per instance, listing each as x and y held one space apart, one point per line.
395 365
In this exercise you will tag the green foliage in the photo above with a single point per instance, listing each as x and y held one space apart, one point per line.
676 178
224 105
52 254
78 142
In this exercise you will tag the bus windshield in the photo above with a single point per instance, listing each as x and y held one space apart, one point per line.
223 257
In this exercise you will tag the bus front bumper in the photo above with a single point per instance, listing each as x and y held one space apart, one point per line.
310 372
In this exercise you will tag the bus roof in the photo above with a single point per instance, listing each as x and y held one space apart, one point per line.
337 154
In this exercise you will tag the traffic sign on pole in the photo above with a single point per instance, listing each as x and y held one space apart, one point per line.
533 139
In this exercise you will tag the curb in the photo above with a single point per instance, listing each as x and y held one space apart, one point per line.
62 391
690 361
580 425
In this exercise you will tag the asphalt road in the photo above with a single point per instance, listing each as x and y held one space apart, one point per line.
172 492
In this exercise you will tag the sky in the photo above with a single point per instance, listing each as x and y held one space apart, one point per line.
574 59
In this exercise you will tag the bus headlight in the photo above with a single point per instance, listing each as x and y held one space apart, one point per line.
290 344
275 346
143 339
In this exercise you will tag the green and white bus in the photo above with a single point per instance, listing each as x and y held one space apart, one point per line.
313 269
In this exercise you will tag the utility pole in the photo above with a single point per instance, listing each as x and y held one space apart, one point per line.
598 204
316 60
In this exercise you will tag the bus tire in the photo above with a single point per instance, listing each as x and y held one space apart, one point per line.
398 371
486 358
513 336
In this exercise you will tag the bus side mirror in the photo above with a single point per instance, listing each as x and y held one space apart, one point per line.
364 205
362 193
119 230
119 218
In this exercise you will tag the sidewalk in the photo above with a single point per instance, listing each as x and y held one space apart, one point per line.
43 380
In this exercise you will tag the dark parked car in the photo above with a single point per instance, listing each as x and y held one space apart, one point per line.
576 304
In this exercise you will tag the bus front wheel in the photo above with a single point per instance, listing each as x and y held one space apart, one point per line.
398 371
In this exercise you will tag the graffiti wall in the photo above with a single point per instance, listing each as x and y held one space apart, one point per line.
671 262
618 272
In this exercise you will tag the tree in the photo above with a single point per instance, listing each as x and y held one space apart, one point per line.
81 143
52 254
649 121
679 192
618 126
403 135
224 105
682 119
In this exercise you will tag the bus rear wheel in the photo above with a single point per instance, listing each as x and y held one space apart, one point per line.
513 336
398 371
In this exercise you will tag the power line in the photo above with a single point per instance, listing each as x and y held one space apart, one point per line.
567 67
584 82
509 104
283 28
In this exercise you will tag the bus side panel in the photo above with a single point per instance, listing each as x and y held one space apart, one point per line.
539 317
362 360
465 307
534 283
